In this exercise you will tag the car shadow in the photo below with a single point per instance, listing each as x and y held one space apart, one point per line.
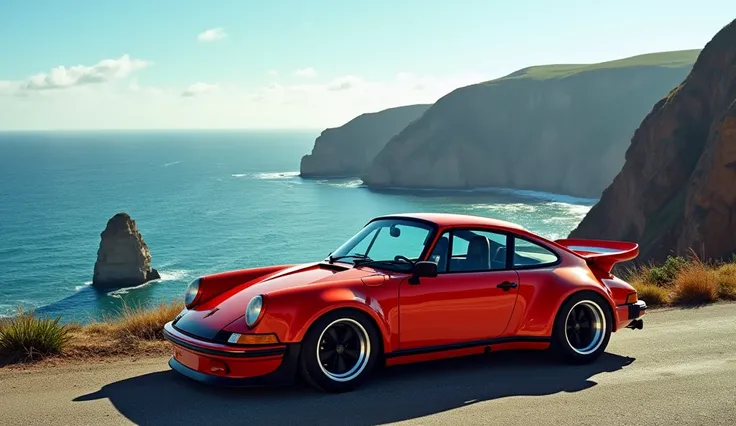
395 394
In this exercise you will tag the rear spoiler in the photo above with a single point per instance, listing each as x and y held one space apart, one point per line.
603 254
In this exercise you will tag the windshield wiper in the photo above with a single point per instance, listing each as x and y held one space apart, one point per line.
370 262
350 256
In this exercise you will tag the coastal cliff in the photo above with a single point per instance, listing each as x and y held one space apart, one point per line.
555 128
348 149
677 189
123 259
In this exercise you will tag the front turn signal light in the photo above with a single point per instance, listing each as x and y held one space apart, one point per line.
253 339
632 298
218 367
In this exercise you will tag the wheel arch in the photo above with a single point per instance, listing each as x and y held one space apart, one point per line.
372 316
608 305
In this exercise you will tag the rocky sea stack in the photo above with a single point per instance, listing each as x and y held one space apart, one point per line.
677 190
123 259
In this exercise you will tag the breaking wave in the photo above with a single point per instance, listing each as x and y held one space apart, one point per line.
518 193
80 287
267 176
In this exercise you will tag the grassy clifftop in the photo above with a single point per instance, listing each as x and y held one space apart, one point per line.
674 59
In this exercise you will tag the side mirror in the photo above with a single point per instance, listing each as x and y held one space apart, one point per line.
423 269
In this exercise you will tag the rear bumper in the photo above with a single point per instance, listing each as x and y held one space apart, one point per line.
225 365
636 309
629 312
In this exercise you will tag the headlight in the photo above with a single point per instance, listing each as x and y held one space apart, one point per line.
192 293
253 311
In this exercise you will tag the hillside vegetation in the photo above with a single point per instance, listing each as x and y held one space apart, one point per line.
675 59
131 333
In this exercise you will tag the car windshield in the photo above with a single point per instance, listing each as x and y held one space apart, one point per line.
385 243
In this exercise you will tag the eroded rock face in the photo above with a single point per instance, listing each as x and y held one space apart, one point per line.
677 189
564 134
346 150
123 259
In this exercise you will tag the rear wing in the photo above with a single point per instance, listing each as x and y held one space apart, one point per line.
603 254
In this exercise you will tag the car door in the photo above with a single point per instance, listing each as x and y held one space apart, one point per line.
472 297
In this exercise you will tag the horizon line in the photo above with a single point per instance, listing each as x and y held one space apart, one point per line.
184 129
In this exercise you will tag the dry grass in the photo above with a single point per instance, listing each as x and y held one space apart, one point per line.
694 285
726 279
133 332
684 281
653 294
138 323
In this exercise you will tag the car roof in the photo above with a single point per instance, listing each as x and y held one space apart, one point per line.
454 219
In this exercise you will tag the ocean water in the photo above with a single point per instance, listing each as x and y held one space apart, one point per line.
204 202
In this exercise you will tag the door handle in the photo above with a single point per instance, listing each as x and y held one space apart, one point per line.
507 285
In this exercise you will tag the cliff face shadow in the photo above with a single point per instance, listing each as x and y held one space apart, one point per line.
395 394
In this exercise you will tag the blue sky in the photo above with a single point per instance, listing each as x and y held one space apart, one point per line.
353 56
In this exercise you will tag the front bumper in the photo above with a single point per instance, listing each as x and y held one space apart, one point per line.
630 312
230 365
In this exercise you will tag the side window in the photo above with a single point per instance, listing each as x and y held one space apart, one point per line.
439 252
476 250
529 254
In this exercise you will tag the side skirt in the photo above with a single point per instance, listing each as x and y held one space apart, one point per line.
476 344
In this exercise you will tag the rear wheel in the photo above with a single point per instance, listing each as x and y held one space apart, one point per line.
339 351
582 328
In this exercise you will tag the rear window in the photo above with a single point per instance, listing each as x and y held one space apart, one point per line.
528 254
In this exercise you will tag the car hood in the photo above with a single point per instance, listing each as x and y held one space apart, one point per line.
208 319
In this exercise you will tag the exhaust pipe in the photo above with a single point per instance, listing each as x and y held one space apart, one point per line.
636 324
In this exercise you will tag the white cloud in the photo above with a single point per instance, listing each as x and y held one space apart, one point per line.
213 34
317 104
62 77
197 89
306 72
344 83
334 102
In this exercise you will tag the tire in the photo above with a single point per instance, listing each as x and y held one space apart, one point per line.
582 328
358 345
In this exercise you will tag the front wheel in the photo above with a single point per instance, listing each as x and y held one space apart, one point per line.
582 328
339 351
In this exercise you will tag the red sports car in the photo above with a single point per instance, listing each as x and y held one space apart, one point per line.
406 288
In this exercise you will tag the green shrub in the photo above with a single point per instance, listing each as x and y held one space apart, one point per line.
666 274
26 337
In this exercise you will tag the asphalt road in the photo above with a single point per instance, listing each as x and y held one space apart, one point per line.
680 369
